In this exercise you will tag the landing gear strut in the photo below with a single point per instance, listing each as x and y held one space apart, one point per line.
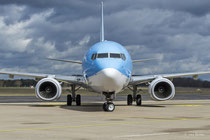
73 97
136 98
108 106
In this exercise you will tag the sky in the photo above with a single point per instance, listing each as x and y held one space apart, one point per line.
175 32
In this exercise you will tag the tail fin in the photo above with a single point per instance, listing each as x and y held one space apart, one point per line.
102 21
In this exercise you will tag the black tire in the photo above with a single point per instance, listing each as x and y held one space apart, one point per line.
110 107
105 106
69 100
78 100
138 100
129 99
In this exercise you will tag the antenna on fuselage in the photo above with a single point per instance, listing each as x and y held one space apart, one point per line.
102 21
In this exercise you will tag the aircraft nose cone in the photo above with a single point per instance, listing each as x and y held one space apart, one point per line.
112 80
110 74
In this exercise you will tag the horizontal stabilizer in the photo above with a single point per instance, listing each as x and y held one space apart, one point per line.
68 61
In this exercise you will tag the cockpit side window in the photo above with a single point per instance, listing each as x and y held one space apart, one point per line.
93 57
115 55
102 55
123 56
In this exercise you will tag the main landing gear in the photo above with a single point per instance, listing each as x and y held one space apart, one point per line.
73 97
108 106
136 98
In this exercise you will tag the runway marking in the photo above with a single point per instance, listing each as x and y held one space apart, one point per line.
62 103
160 118
9 95
143 135
190 105
105 124
36 103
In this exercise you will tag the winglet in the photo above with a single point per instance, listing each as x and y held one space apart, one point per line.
102 21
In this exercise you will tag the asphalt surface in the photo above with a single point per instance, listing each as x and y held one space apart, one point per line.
187 117
169 120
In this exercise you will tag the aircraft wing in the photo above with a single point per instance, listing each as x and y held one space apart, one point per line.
63 60
79 80
143 60
135 80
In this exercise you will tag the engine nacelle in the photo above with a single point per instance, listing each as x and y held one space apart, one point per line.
161 89
48 89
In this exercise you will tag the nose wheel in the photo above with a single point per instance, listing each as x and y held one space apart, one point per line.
109 107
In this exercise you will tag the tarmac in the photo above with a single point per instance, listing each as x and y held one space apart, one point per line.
168 120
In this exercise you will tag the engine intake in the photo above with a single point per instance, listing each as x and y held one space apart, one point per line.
48 89
161 89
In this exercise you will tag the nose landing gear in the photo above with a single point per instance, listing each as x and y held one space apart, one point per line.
108 106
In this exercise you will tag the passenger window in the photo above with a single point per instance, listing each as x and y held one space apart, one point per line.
115 55
93 57
123 56
102 55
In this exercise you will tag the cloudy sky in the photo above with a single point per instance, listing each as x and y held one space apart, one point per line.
176 32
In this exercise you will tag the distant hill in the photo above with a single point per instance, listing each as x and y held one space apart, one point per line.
178 82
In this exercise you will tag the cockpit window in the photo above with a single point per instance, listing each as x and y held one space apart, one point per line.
102 55
115 55
108 55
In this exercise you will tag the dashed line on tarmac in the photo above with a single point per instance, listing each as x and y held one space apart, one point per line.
143 135
35 103
189 105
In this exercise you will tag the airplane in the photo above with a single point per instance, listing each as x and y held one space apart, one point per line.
106 70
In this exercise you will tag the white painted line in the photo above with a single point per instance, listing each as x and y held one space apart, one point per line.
35 103
143 135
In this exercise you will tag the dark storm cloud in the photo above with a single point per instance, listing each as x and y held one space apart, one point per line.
177 32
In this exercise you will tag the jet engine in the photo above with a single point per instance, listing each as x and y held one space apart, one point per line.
161 89
48 89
